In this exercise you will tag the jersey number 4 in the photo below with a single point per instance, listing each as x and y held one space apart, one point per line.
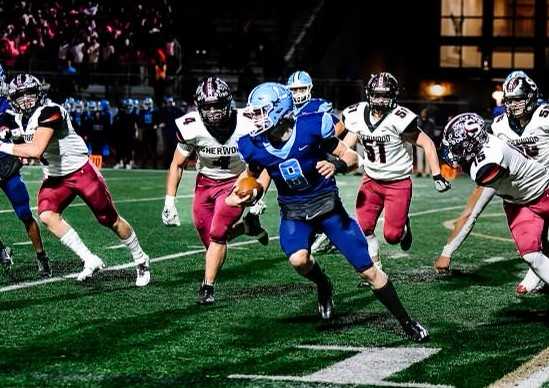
370 151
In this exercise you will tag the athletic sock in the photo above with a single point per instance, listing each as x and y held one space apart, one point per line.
72 240
317 276
388 296
139 257
41 255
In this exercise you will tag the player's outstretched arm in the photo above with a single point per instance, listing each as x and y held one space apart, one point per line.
422 140
170 217
33 150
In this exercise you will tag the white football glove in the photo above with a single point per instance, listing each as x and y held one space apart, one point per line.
258 208
169 214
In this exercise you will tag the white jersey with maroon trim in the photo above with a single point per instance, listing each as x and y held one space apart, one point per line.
534 139
215 160
527 179
386 158
66 152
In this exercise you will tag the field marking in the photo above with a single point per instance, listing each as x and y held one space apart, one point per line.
117 246
531 374
119 267
449 224
135 200
369 366
40 282
495 259
23 243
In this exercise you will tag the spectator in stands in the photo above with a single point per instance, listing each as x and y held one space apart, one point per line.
167 115
148 124
428 126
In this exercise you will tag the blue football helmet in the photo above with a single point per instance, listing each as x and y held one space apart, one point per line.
300 84
268 103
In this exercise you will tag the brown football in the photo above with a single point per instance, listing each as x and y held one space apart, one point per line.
247 185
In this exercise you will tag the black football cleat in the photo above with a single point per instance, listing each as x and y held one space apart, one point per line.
255 229
406 241
206 294
44 268
415 331
325 302
5 258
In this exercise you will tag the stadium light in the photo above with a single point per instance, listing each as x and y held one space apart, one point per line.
437 90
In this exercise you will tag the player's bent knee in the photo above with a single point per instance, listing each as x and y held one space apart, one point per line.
219 235
300 259
48 217
393 235
108 219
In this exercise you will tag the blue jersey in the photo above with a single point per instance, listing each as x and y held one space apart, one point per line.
4 104
293 166
314 105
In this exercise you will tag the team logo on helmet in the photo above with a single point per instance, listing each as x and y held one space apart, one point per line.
25 93
463 138
382 92
520 94
213 99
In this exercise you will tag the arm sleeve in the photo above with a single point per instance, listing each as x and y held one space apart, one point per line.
328 126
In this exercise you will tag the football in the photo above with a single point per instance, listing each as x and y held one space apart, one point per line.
248 185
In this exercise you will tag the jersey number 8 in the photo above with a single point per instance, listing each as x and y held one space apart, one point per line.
293 174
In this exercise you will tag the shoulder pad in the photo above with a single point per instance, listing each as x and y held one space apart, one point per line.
50 117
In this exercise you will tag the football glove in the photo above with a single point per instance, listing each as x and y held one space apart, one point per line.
258 208
441 184
169 214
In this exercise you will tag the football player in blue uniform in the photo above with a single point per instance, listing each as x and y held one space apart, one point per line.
300 84
293 151
13 186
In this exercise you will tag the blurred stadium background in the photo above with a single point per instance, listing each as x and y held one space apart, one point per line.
449 55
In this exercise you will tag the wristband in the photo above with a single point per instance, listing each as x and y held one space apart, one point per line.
340 166
6 148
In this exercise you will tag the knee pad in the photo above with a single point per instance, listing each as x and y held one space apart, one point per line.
219 235
107 220
393 235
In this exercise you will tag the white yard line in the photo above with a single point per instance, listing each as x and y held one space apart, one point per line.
23 243
495 259
136 200
117 246
531 374
119 267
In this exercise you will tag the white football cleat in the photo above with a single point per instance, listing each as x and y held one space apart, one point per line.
143 273
91 266
530 284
